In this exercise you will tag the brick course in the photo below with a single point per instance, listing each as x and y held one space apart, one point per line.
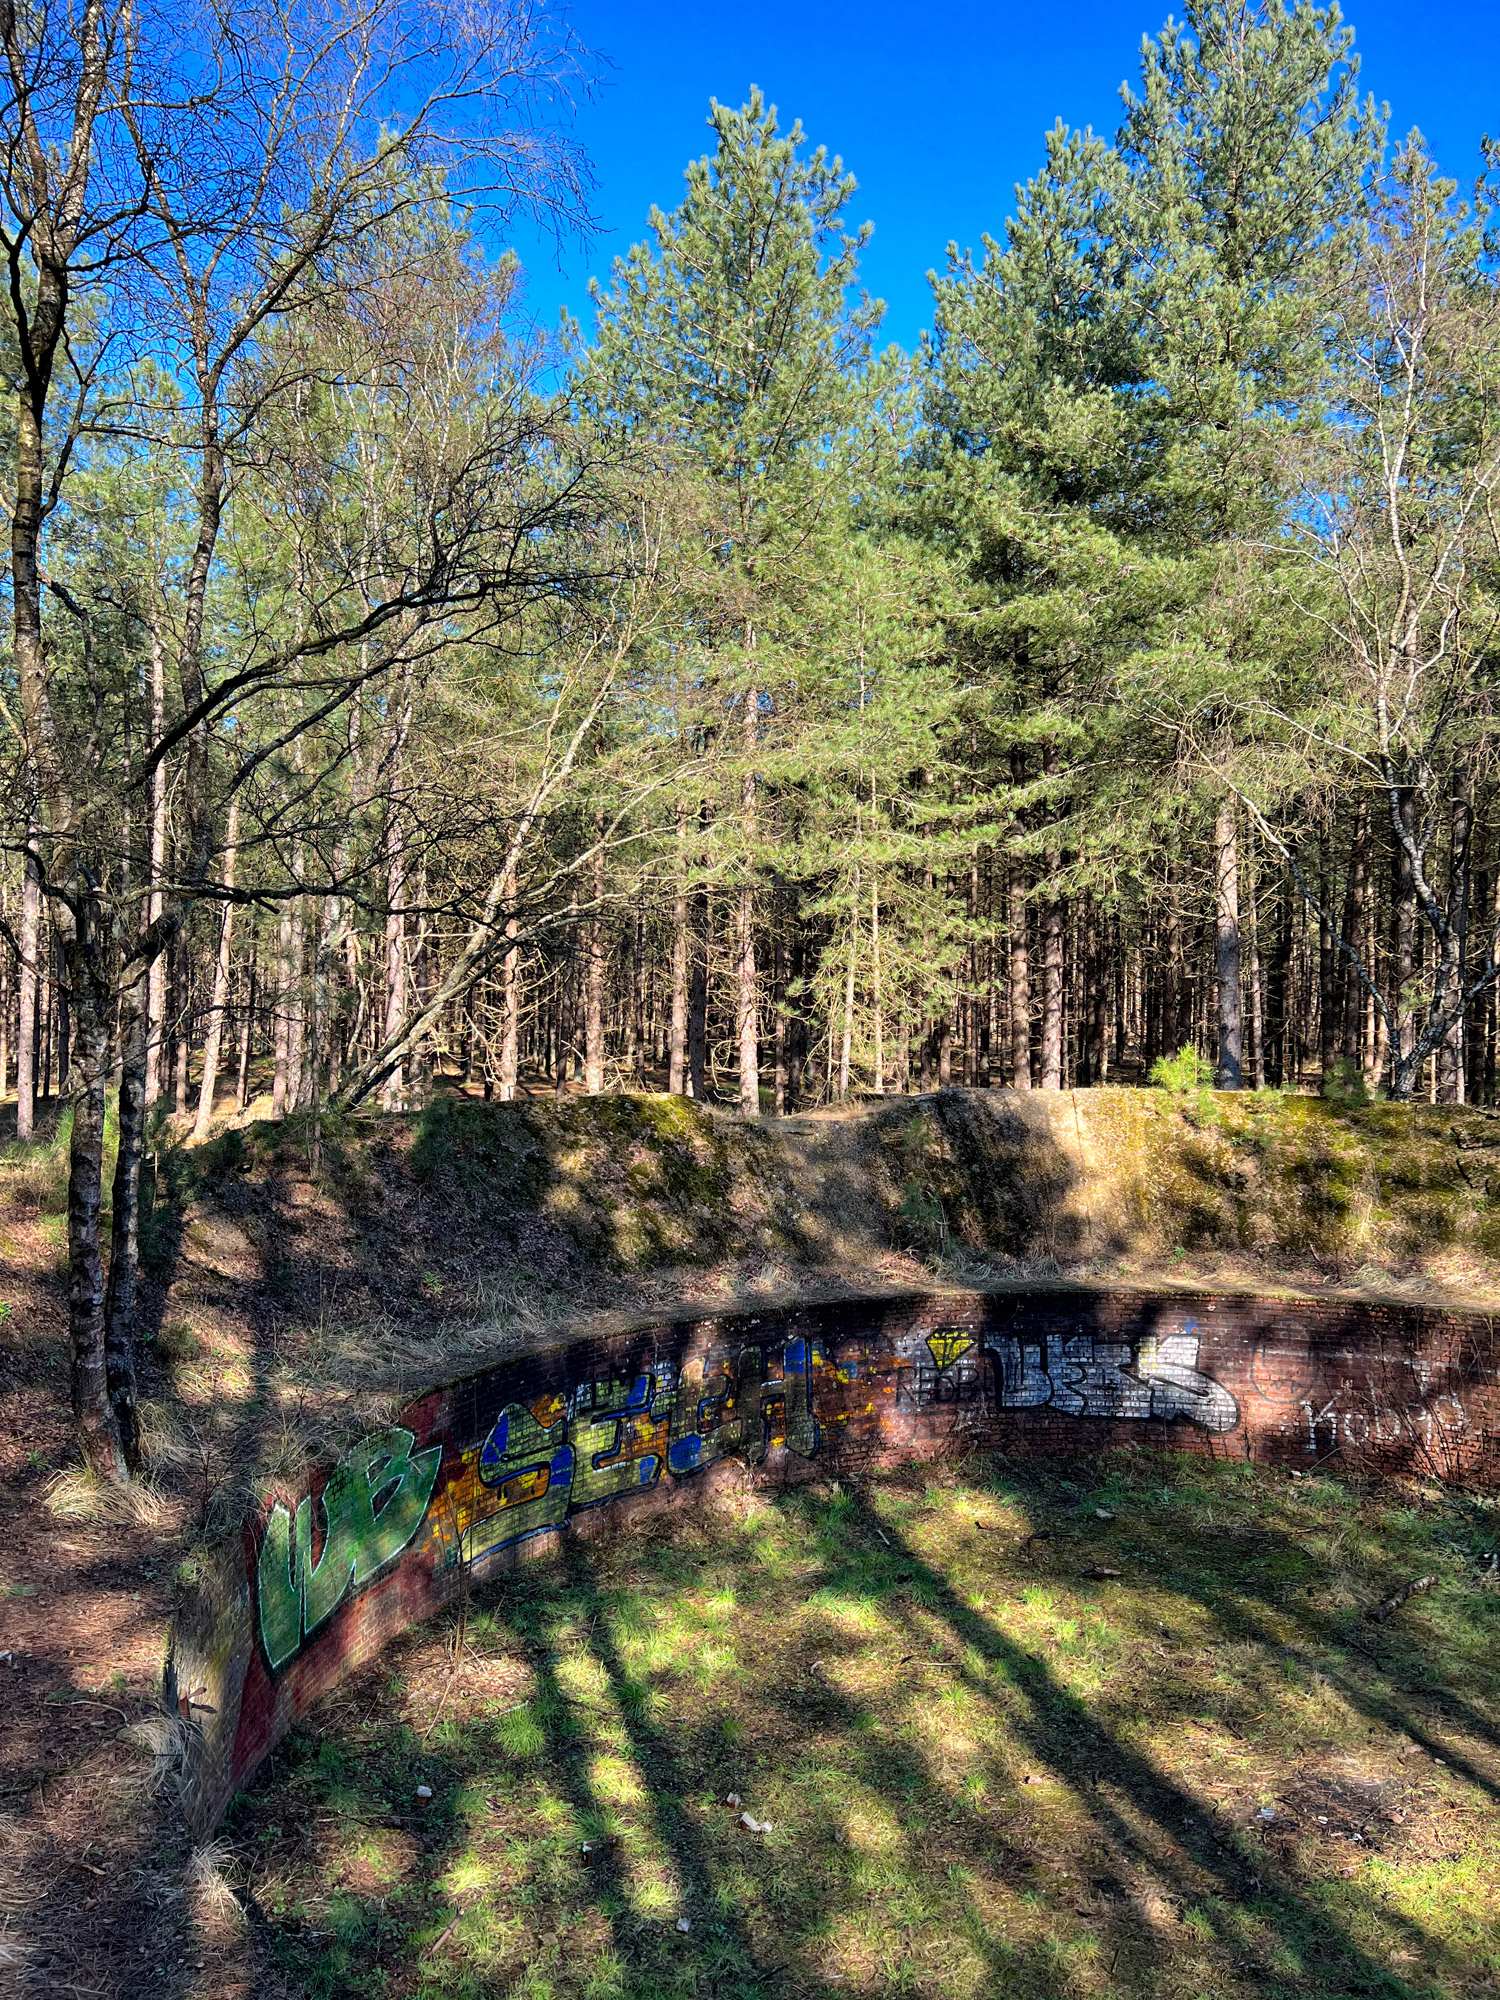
488 1471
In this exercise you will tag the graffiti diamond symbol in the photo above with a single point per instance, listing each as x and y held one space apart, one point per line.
948 1344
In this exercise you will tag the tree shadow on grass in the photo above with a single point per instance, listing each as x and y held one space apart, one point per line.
1150 1820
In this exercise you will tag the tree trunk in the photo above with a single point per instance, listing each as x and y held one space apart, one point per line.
593 1022
1054 922
1282 1066
747 994
247 1025
1356 916
639 1010
1403 926
295 1002
510 1032
847 1044
793 1018
219 1004
1097 962
1476 1012
125 1215
281 1080
1450 1052
28 983
4 995
677 1079
99 1431
747 1005
1257 983
48 988
157 977
393 1092
1054 936
1173 1013
1327 982
877 1001
64 1030
565 997
182 1020
1228 1071
1020 978
698 999
778 1015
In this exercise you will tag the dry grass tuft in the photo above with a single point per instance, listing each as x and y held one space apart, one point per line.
217 1906
79 1496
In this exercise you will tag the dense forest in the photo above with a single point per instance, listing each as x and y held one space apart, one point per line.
707 699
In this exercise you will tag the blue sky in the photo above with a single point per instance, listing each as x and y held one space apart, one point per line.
937 106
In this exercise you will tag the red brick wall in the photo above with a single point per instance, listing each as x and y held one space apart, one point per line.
488 1471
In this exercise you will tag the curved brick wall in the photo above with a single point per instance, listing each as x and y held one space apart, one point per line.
487 1471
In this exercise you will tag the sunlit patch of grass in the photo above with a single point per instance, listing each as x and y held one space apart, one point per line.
520 1732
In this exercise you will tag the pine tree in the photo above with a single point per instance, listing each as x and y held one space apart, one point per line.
732 342
1107 393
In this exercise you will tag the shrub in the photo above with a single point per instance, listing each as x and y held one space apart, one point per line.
1187 1070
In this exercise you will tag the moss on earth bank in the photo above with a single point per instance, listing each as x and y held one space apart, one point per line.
1377 1189
634 1181
410 1215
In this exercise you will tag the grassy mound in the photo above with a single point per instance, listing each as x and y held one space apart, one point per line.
1385 1188
1121 1728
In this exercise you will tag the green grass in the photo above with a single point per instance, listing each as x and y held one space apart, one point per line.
985 1772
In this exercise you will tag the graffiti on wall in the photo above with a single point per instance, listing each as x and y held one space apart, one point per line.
1079 1374
539 1462
374 1502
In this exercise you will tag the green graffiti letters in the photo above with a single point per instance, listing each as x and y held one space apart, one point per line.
372 1505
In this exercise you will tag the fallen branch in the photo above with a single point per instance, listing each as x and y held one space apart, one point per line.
1381 1611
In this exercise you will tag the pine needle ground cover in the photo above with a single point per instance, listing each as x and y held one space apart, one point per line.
1104 1728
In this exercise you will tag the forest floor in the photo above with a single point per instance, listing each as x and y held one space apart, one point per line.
300 1277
